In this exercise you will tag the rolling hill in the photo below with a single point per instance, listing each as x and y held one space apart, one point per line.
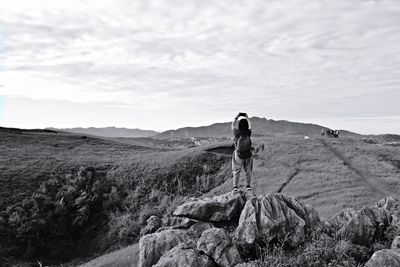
109 131
44 193
261 126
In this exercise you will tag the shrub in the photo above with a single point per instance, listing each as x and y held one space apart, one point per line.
105 209
123 228
64 209
319 251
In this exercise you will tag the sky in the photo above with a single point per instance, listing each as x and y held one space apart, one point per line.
165 64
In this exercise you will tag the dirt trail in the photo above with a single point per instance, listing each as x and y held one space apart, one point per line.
296 171
364 178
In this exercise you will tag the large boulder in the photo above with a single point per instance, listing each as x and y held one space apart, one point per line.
221 208
369 224
276 216
385 258
181 256
153 246
216 243
366 226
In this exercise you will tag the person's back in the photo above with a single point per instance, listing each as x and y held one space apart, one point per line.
242 156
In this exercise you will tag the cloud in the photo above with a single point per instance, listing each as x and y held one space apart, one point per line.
283 59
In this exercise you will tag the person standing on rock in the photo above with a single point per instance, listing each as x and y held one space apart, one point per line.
242 156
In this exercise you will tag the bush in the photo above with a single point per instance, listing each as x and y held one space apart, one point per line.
319 251
124 228
65 209
103 210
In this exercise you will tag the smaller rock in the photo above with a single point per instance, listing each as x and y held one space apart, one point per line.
378 246
153 246
177 222
221 208
391 204
197 229
349 250
181 256
248 194
396 219
340 219
366 226
385 258
153 223
396 242
217 244
249 264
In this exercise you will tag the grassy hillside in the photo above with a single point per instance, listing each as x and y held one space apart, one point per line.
327 173
30 156
66 197
44 170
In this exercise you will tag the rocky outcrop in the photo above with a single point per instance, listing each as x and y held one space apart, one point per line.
153 246
200 232
369 224
181 256
221 208
217 244
385 258
396 242
366 226
275 216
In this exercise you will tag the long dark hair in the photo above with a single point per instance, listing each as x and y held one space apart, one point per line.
244 127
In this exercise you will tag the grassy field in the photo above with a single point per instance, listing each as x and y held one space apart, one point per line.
128 256
329 174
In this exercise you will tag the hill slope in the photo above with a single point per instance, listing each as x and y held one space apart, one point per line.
109 131
66 196
329 174
261 126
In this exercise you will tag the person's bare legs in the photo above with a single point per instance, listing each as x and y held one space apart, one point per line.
236 168
248 168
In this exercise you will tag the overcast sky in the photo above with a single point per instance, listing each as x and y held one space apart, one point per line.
167 64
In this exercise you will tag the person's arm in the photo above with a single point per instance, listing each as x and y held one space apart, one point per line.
248 120
235 126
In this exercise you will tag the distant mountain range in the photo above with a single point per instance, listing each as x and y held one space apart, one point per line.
260 126
110 132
